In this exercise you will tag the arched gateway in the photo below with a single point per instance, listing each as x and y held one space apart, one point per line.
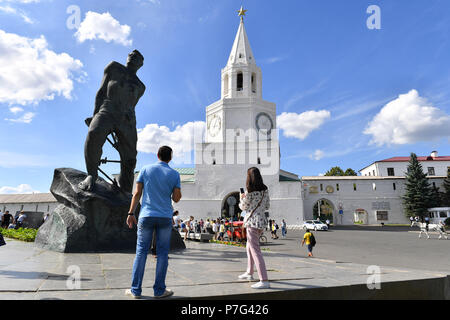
230 206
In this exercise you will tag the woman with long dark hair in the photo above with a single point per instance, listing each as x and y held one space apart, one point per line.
255 201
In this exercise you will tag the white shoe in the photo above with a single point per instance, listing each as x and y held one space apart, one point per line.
129 293
246 276
167 293
261 285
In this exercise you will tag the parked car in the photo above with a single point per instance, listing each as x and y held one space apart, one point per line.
314 225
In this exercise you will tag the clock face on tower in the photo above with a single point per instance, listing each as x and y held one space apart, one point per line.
214 125
264 122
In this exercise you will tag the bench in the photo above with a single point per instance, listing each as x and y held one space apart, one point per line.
202 237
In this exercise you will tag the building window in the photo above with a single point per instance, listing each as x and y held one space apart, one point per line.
321 187
259 160
390 172
382 215
374 186
354 187
394 186
48 208
373 171
434 184
431 171
337 186
240 81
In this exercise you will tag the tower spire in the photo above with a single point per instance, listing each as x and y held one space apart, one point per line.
242 13
241 51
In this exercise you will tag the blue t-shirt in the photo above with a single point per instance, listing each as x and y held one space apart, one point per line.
158 181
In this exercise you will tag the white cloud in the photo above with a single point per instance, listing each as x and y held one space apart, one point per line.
104 27
317 155
30 72
15 110
182 139
22 188
10 10
25 118
408 119
299 126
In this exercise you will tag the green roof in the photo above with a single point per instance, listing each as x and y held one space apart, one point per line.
284 178
185 171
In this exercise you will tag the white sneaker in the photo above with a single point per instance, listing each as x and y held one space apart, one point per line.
129 293
261 285
246 276
167 293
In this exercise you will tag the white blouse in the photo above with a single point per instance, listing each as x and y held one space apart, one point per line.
258 220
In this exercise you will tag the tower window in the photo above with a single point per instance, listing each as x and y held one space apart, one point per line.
254 83
240 81
394 186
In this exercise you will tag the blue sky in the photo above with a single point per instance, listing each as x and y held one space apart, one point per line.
385 91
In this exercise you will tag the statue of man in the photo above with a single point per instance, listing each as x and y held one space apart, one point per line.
115 102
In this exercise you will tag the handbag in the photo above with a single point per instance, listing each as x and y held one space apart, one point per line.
248 216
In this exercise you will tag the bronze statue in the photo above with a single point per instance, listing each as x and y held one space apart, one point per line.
114 114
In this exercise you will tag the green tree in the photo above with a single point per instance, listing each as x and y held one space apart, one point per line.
417 198
446 193
435 197
337 171
350 172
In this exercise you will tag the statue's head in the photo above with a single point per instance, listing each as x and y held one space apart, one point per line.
135 60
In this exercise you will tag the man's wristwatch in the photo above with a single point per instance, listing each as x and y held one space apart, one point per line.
130 213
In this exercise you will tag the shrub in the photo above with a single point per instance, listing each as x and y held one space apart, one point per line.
22 234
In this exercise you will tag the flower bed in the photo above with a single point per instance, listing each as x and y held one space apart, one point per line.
229 243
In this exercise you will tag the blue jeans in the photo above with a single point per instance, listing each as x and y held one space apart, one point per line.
146 227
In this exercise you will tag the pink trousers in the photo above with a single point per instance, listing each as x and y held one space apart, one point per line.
254 255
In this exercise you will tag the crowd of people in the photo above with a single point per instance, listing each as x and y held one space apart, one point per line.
8 221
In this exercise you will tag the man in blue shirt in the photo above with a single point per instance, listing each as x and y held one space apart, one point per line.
158 184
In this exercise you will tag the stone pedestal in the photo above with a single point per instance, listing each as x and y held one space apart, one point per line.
88 221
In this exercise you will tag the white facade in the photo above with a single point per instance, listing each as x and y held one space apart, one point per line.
432 165
370 200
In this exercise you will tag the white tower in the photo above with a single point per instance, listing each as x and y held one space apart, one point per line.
241 133
241 106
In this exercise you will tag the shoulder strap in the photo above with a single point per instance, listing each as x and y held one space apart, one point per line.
251 213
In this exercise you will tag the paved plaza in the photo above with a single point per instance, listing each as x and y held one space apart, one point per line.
209 271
